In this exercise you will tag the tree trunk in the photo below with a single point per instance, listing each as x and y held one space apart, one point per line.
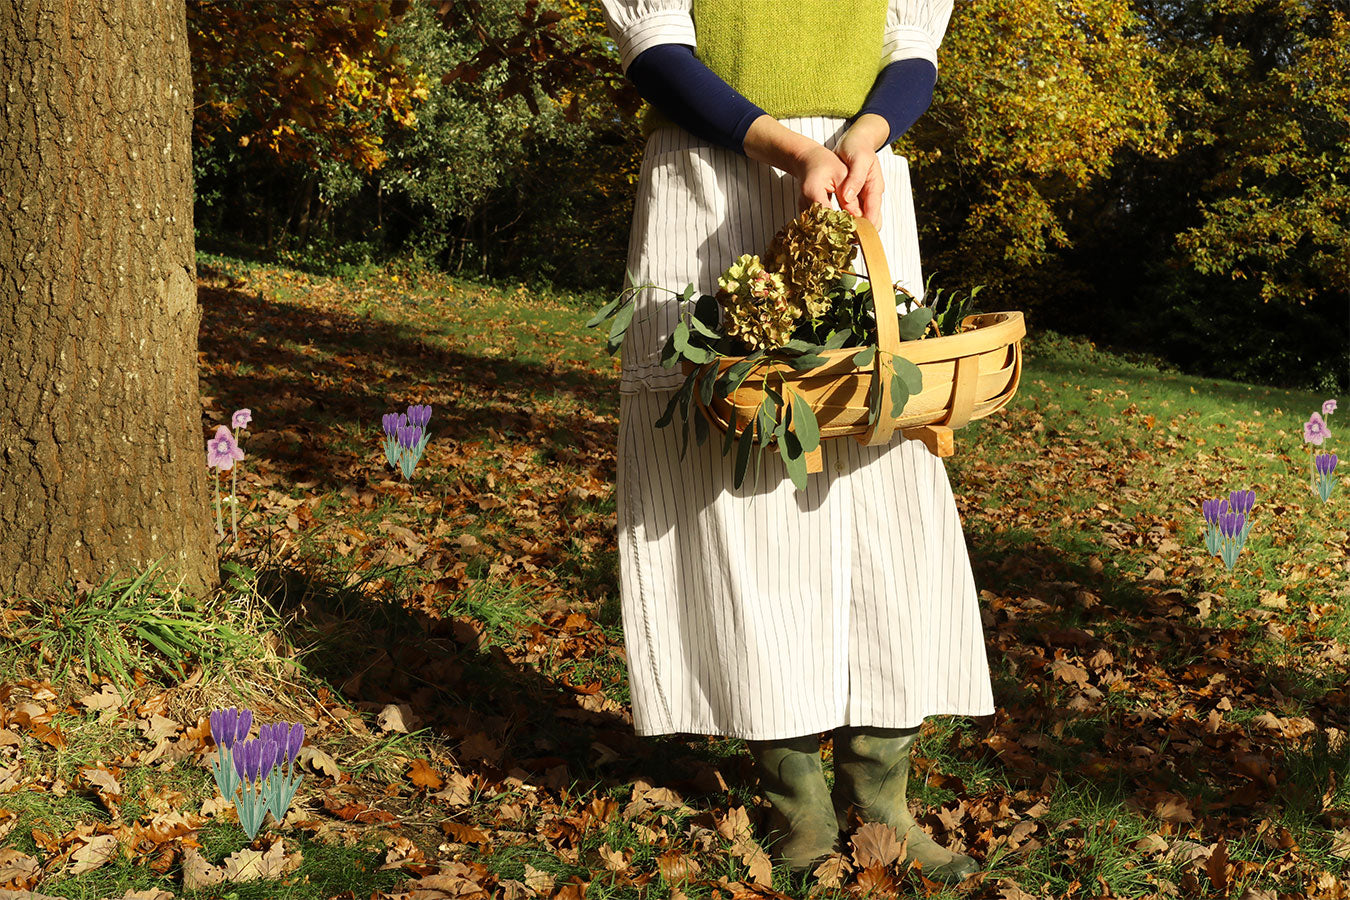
102 454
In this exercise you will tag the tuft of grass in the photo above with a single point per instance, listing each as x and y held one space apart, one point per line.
129 623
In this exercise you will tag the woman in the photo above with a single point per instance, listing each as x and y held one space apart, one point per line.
768 614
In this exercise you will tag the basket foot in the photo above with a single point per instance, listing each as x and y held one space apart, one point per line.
937 438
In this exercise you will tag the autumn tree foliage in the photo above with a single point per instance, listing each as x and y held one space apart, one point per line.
302 79
1033 102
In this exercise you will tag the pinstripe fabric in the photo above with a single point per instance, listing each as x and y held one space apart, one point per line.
759 612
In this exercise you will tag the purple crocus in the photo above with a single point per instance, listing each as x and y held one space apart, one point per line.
1325 463
222 450
294 738
244 724
267 757
240 758
241 418
1230 524
409 436
1212 509
1315 430
391 422
419 415
1242 501
225 730
1328 407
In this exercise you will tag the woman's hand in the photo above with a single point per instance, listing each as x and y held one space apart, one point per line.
860 192
819 171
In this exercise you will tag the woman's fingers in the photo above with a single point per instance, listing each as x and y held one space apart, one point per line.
870 197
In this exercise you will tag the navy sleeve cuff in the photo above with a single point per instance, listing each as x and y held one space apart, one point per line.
676 82
902 92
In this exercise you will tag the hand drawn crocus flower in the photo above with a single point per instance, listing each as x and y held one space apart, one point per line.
1242 502
410 442
393 453
1324 464
221 453
419 415
1328 407
1231 527
1211 510
1315 430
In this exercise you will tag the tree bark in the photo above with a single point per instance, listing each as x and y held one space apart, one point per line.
102 454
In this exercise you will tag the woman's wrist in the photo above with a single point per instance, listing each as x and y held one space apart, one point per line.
770 141
871 130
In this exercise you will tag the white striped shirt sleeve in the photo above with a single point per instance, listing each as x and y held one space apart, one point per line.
914 28
636 25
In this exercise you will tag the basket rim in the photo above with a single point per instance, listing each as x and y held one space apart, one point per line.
1002 329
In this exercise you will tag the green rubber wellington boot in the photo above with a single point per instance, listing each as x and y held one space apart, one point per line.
802 827
871 774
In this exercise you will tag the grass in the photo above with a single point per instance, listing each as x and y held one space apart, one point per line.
482 598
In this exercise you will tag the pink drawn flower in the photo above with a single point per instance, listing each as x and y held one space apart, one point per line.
222 450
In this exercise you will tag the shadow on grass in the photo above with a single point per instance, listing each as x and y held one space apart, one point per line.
495 715
1151 732
325 373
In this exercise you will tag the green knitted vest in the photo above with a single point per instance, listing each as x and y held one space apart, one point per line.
798 58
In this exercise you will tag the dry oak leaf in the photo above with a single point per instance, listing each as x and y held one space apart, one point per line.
676 866
757 863
537 880
1172 808
146 895
105 784
422 775
615 860
876 844
108 701
157 727
272 863
197 872
97 852
396 717
1010 890
214 806
18 867
831 872
735 825
458 790
319 762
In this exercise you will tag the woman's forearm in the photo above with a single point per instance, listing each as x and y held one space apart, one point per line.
770 141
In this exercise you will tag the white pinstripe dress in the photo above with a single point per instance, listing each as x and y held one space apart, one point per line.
765 614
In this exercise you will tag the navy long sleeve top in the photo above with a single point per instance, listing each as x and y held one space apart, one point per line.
676 82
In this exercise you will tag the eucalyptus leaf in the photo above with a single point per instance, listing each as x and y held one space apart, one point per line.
707 384
687 292
899 395
733 377
795 460
604 312
911 373
847 281
681 336
669 413
864 356
838 339
743 445
701 428
913 324
804 423
806 362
